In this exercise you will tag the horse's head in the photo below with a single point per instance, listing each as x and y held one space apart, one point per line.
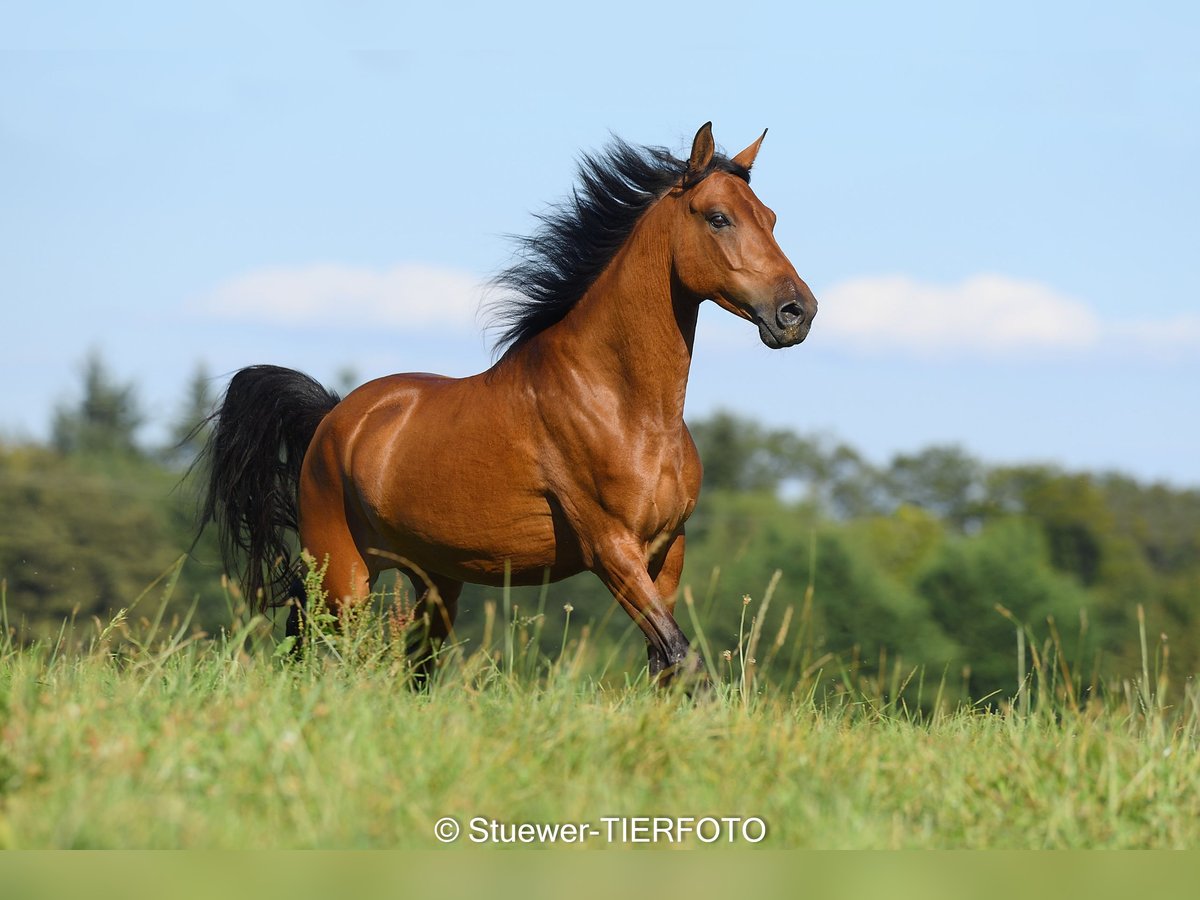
725 249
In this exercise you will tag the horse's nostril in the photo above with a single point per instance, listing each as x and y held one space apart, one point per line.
789 315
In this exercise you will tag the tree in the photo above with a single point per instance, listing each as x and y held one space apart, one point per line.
345 380
1072 511
726 443
106 419
74 538
944 480
191 428
1006 565
853 487
740 455
858 604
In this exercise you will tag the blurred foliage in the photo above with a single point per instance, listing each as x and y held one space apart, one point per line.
85 536
191 428
934 559
971 580
104 421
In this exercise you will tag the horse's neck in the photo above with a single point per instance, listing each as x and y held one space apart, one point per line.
632 332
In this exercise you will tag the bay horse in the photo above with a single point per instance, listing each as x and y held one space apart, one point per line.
569 454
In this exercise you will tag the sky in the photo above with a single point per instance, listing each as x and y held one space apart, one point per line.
997 208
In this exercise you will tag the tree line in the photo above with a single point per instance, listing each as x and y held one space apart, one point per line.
934 557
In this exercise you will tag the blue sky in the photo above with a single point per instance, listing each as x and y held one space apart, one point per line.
997 208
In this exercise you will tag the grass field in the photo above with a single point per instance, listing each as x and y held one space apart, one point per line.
129 734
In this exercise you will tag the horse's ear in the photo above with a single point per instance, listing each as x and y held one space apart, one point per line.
745 159
703 149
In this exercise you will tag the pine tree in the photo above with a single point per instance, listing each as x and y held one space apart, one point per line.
106 419
191 427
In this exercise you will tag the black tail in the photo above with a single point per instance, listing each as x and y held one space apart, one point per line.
260 434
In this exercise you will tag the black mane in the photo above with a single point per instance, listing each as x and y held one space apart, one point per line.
578 237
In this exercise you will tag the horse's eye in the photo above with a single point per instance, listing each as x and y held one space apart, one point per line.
719 220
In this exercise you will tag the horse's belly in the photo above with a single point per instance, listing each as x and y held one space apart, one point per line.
485 544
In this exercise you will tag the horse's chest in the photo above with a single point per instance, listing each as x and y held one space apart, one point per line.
655 495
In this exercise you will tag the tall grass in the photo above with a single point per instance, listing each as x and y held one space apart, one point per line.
140 732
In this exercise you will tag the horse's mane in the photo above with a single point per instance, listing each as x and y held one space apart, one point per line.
577 238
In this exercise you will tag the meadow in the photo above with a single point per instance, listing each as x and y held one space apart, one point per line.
141 732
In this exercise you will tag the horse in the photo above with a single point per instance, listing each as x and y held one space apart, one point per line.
569 454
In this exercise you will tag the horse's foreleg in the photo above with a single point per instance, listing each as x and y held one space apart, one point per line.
665 570
623 569
434 614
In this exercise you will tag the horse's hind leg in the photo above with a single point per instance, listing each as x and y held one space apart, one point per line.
328 541
342 566
433 621
295 620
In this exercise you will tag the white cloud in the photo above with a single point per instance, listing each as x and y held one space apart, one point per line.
989 314
1165 337
404 296
986 315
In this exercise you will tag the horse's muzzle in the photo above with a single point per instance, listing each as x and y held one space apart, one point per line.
795 307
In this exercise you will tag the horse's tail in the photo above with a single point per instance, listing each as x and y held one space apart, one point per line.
259 436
